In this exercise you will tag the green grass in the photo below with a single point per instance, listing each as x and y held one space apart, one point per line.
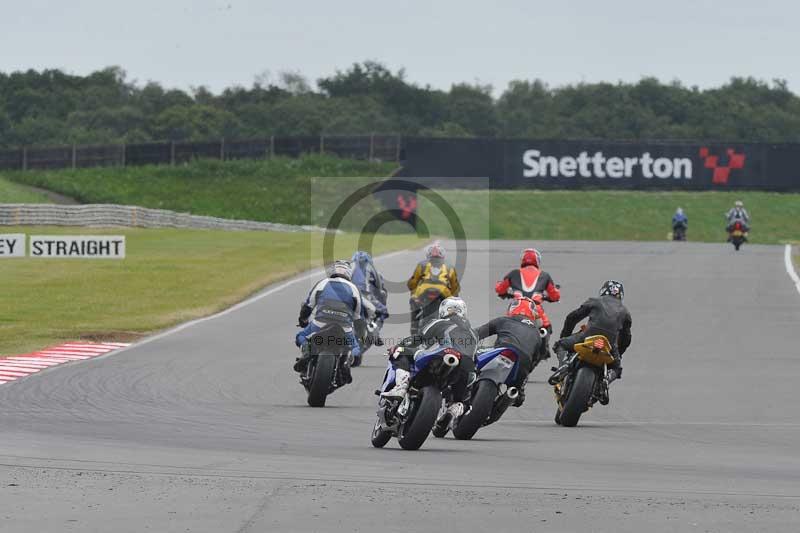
169 276
11 193
612 215
276 190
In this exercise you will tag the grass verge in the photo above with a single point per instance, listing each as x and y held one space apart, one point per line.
168 277
11 193
615 215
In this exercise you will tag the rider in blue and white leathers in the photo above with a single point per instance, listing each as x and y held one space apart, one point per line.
334 300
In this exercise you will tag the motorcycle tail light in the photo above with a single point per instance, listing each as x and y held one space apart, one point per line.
599 344
451 351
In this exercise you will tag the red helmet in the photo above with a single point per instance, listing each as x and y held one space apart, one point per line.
530 256
522 305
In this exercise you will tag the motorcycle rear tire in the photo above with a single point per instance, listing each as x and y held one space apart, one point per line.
579 394
322 380
482 403
417 428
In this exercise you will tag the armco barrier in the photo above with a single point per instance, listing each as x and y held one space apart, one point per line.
104 215
548 164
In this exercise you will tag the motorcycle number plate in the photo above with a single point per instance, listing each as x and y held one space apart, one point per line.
505 361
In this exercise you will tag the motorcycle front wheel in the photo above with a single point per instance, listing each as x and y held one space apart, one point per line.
379 435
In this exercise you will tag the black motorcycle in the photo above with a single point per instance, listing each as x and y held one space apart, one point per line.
679 232
329 364
411 418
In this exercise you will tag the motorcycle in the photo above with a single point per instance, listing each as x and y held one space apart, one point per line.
538 298
328 366
581 381
368 334
679 232
426 306
411 418
737 235
493 392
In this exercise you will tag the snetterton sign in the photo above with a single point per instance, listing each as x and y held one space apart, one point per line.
599 165
63 246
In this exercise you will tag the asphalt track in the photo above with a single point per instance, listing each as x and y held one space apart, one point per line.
206 429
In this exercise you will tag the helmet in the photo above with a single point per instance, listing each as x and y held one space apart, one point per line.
738 203
679 211
612 288
522 305
530 256
434 250
453 306
361 257
341 269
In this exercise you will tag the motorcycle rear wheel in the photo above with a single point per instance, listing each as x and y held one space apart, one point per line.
322 380
482 403
416 429
579 394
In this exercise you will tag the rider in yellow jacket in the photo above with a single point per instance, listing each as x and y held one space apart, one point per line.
432 273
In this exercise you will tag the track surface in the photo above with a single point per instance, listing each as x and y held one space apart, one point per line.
207 429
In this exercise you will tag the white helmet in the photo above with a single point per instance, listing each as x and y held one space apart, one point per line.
341 269
435 250
453 306
738 203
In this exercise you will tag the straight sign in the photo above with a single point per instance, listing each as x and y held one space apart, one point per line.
78 246
12 245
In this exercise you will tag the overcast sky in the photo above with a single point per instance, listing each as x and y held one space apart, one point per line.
219 43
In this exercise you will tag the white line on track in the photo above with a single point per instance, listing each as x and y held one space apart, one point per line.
787 259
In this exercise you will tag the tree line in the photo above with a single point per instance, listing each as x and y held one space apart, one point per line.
54 107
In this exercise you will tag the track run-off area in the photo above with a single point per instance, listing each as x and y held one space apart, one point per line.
206 428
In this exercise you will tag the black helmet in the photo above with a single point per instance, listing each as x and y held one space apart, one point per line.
612 288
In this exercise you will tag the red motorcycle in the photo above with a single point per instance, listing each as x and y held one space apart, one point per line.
737 235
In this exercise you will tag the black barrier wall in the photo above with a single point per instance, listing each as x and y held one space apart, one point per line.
515 163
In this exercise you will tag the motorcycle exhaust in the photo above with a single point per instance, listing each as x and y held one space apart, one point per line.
512 393
450 359
543 332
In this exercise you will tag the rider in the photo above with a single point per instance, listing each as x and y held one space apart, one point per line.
370 283
518 329
534 283
679 219
333 300
452 328
433 272
738 214
608 317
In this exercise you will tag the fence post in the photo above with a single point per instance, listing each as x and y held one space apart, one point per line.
74 156
321 144
222 149
371 146
172 153
124 154
271 146
24 158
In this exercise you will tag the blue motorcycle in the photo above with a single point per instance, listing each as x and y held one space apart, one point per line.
411 418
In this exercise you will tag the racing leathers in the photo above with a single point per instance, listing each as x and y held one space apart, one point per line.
737 214
519 333
607 316
432 273
453 331
331 301
536 285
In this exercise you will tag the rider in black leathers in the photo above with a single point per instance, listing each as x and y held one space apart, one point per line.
520 329
608 317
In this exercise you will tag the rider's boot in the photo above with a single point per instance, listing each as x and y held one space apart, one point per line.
401 380
301 362
453 411
562 354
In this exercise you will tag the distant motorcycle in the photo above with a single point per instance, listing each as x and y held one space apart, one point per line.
328 367
368 333
411 418
679 232
737 235
425 308
581 381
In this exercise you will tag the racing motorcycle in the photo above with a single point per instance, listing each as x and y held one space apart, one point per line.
426 305
581 381
679 232
411 418
368 334
329 365
737 235
493 392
